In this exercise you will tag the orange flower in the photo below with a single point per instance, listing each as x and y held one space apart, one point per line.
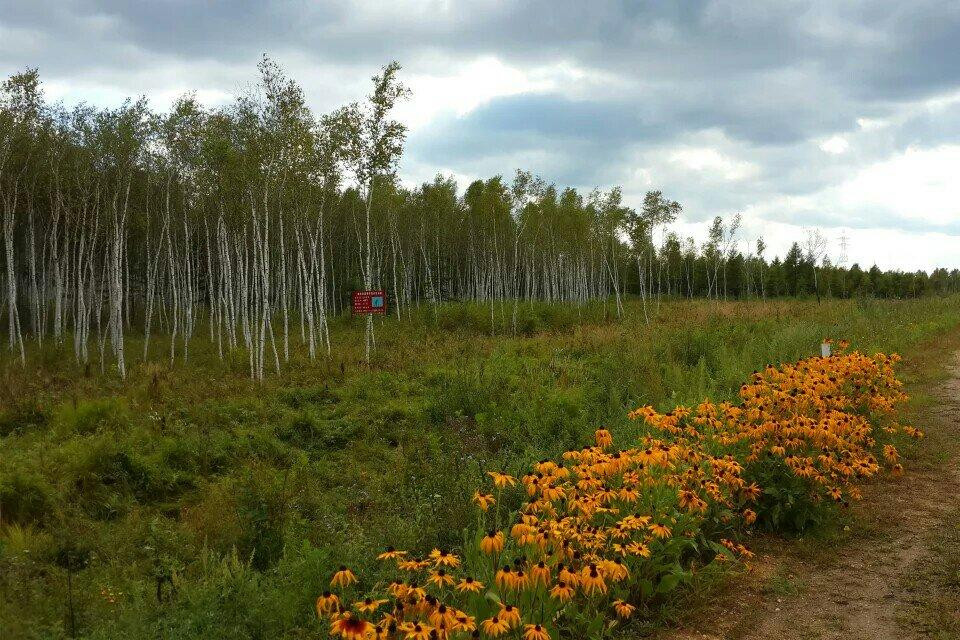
603 438
368 605
416 631
465 622
469 585
343 577
567 576
397 589
562 592
351 628
502 480
535 632
483 500
391 554
592 580
492 542
444 558
890 453
440 578
540 574
623 609
505 578
444 617
638 549
509 614
327 603
494 627
412 565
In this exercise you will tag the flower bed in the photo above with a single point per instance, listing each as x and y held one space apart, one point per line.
606 530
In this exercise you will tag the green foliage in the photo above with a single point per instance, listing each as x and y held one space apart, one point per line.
234 496
21 417
85 417
25 498
786 504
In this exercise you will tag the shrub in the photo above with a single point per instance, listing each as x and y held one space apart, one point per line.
263 506
25 498
21 417
606 532
603 530
805 432
108 474
86 417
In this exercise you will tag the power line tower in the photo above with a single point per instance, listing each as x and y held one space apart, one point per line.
842 260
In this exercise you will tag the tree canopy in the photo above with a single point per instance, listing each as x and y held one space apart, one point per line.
255 221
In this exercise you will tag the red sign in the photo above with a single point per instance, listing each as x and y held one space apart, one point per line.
369 302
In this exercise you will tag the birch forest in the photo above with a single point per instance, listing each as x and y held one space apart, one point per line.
249 225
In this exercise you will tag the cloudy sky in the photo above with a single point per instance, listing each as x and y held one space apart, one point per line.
839 115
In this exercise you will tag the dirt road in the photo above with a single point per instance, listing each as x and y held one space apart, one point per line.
893 574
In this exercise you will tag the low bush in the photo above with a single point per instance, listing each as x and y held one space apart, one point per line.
577 546
85 417
21 417
210 455
25 498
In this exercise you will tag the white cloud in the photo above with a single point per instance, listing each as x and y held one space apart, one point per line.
835 145
917 185
886 248
871 124
707 104
712 163
470 86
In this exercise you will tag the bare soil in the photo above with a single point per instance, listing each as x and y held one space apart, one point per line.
892 573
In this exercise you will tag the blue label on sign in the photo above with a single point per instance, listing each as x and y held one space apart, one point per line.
376 302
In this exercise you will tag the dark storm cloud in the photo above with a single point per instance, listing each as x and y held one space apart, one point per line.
929 127
530 119
850 43
761 82
853 42
919 52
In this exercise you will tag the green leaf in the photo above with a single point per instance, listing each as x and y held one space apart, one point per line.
668 583
595 626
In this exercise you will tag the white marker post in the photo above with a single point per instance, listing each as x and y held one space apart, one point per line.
825 349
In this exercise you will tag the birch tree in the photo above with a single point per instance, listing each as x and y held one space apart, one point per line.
377 142
21 104
259 217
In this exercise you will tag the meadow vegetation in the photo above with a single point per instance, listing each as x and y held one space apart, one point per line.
188 501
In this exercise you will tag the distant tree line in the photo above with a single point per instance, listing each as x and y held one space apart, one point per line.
253 223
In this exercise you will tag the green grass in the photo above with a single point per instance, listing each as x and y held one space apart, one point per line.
933 583
215 507
783 584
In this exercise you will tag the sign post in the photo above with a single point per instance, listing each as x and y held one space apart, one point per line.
366 303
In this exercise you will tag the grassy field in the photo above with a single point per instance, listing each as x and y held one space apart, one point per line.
189 502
